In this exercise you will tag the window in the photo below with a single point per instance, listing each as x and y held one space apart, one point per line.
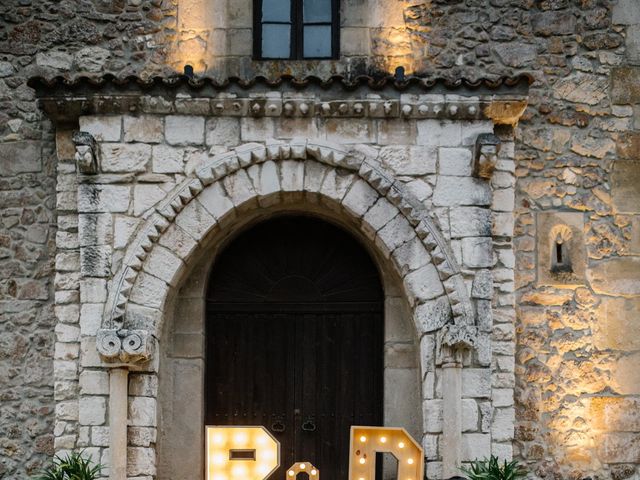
296 29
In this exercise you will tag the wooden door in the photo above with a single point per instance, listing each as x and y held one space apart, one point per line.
295 340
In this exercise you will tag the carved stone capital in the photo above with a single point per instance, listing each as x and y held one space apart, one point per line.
486 155
124 346
454 341
86 152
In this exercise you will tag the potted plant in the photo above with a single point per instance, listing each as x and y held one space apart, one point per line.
492 469
72 467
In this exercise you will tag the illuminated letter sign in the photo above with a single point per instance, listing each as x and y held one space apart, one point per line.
241 453
299 467
367 441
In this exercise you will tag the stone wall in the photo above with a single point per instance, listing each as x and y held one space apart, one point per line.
577 149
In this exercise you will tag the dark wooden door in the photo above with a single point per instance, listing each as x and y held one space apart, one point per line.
295 340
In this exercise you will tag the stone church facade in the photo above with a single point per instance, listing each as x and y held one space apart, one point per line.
493 181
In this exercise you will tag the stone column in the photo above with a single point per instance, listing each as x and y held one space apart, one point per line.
452 417
118 397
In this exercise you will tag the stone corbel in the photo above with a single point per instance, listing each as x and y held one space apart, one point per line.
124 346
486 155
86 152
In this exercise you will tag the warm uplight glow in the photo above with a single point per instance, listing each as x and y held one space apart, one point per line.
363 438
391 440
298 467
261 453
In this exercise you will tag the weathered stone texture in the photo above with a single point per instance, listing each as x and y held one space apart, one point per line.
582 55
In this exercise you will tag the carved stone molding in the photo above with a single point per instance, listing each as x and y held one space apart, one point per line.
123 346
454 340
222 165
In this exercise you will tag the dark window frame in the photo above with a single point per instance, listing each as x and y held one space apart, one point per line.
296 42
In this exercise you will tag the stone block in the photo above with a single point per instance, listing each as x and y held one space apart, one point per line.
162 263
104 128
195 220
224 131
256 129
477 252
502 397
20 157
141 436
143 385
354 41
633 45
452 191
615 276
582 88
625 187
141 461
625 85
503 224
95 261
93 290
626 12
92 410
617 327
454 161
166 159
406 160
123 229
144 128
336 183
619 447
503 200
424 284
146 196
149 291
103 198
621 414
291 175
568 229
410 256
90 318
626 375
475 446
67 333
348 131
125 158
394 234
359 198
95 229
476 383
432 315
432 413
470 222
100 436
439 133
502 426
184 130
94 382
142 411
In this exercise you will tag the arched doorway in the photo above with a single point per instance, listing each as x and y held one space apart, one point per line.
295 339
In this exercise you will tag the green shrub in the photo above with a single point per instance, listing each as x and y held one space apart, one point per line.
491 469
72 467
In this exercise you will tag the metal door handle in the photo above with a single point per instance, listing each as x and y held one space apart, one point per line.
278 427
278 424
309 424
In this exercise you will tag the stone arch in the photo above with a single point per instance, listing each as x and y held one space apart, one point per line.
254 172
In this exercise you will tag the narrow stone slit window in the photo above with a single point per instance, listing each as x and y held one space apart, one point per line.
560 255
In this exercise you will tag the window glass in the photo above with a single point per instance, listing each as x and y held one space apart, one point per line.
275 40
276 10
317 41
317 11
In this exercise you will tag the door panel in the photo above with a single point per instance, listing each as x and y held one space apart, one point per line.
318 374
295 339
